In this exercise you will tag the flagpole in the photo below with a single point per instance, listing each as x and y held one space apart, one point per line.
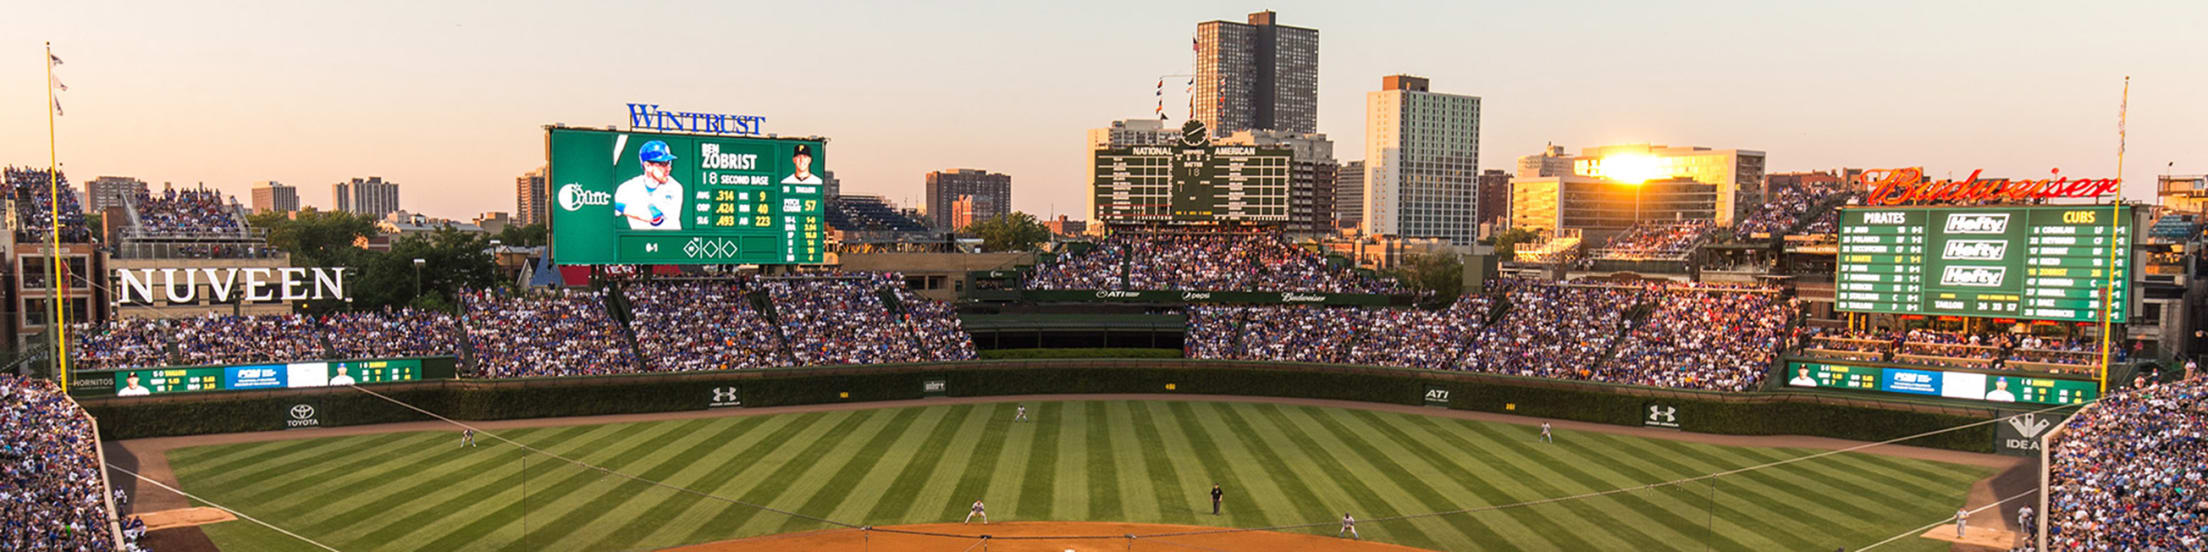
2108 285
53 202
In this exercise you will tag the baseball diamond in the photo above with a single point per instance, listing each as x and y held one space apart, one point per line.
1079 460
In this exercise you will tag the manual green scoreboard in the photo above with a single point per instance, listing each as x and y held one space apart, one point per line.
653 198
2041 263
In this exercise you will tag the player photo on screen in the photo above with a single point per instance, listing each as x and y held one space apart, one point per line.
802 163
131 388
1802 379
2000 392
653 200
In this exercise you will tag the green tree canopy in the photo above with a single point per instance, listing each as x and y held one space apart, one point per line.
1506 242
522 235
1012 232
1441 275
314 237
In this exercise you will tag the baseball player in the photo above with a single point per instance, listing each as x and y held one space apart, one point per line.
1349 525
653 200
2024 520
1545 436
1216 496
977 512
1021 414
1962 518
801 159
467 437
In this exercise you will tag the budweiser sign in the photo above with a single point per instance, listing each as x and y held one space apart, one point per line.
1908 186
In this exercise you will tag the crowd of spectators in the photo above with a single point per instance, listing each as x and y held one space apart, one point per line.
1694 337
51 494
206 339
1787 207
34 207
544 333
686 326
1655 240
2127 473
121 343
936 325
187 211
1951 349
406 332
1204 262
839 318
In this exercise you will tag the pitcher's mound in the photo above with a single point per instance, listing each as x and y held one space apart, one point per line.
1044 536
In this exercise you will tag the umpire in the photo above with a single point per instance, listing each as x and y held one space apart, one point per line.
1216 495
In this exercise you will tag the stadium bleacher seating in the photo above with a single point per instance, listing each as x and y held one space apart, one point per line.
2127 472
51 494
1200 261
35 212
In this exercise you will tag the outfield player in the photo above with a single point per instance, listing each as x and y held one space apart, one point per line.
1962 518
1216 496
1545 436
977 512
467 437
1021 414
1349 525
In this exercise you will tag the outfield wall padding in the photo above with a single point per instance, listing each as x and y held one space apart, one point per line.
1780 413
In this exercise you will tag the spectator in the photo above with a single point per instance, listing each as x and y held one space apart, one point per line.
406 332
555 333
702 326
186 212
51 493
2126 473
1220 261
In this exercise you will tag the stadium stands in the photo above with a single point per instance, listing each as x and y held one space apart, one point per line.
51 493
186 212
1954 349
857 213
1787 207
2126 474
1655 241
555 333
1204 262
1549 330
402 333
840 319
34 209
702 326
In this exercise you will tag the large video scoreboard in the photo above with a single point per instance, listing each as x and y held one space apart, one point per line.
2041 263
653 198
1953 384
1192 182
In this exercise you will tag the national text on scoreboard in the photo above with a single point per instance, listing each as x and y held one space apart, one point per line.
624 197
2036 262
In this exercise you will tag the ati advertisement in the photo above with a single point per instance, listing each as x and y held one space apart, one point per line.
649 198
1977 386
163 381
2041 263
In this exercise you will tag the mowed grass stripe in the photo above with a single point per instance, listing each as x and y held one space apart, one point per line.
1777 488
1069 489
813 478
687 469
937 501
1651 515
1102 459
1447 469
1522 485
918 469
337 471
381 506
564 488
1352 488
295 456
1551 466
770 489
1344 431
534 480
841 484
644 459
1212 454
981 466
686 515
1675 505
868 489
1041 467
1695 498
1164 478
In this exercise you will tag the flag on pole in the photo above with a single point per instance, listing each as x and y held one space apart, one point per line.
53 80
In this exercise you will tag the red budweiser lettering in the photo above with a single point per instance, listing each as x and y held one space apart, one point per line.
1907 186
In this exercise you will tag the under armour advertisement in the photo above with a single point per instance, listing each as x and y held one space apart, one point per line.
1660 415
654 198
724 396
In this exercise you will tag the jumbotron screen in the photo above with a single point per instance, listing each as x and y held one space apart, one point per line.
2040 263
652 198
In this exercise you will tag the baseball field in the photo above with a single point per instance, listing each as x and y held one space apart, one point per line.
1097 460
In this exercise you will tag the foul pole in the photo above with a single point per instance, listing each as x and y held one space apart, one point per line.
2116 239
60 326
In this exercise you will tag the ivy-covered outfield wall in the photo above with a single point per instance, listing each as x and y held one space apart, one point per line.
1789 413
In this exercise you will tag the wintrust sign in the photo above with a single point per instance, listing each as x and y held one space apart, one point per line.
1907 186
224 285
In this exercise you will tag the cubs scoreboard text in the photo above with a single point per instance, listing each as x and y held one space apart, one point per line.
1953 384
242 377
1194 182
652 198
2042 263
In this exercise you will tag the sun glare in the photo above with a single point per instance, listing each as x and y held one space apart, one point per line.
1631 168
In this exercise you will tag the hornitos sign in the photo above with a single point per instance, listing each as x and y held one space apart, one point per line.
650 116
136 286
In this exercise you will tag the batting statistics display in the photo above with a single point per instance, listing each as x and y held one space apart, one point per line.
158 381
652 198
1977 386
2043 263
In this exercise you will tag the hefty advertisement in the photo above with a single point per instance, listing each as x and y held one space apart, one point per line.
1903 380
268 376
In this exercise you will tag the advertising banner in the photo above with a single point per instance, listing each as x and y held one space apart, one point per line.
1656 414
2019 435
650 198
162 381
1990 386
724 396
1436 396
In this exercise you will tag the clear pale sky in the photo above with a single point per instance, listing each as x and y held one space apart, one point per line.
447 98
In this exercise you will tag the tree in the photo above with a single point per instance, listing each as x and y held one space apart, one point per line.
522 236
1013 232
1441 276
1506 242
451 260
315 238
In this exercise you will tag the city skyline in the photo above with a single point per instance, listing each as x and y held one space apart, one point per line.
451 101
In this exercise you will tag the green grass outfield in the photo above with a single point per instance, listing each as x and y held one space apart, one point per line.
1140 461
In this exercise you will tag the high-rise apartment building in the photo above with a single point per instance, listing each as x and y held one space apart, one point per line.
1312 174
532 198
990 195
275 197
1349 195
1422 161
1550 162
1494 197
368 196
108 191
1257 75
1133 132
1737 173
